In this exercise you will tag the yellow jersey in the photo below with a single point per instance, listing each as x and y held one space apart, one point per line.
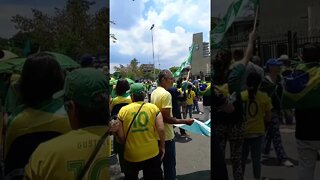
190 97
162 99
255 113
142 140
64 156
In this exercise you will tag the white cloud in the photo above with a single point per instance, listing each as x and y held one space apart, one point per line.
171 43
112 65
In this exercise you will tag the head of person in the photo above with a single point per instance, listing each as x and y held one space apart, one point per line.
189 87
196 82
221 64
253 83
122 87
285 60
311 52
137 91
86 61
41 77
238 54
86 98
165 79
179 82
273 66
256 60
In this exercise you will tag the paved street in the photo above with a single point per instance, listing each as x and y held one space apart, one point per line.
270 167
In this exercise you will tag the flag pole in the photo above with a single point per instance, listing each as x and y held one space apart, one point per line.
256 18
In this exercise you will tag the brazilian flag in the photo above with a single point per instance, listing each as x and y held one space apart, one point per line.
302 87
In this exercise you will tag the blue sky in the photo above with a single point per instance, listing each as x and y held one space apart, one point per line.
9 8
175 21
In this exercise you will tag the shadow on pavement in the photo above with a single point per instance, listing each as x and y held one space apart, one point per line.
183 139
275 162
199 175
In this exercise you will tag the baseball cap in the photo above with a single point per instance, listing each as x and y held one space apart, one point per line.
86 86
273 62
283 57
136 88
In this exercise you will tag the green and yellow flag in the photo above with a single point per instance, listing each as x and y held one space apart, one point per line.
186 63
302 87
235 9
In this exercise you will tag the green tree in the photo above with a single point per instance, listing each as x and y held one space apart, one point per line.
132 70
72 30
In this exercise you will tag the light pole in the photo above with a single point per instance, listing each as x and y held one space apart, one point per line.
154 66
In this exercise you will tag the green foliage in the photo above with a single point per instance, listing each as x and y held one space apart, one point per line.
72 30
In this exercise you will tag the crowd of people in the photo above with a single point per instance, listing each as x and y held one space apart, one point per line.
257 112
58 128
145 116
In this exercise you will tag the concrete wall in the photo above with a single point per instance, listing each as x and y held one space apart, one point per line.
199 62
279 16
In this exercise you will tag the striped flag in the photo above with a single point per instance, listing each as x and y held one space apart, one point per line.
186 63
234 10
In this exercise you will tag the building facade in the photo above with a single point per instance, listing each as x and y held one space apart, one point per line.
200 65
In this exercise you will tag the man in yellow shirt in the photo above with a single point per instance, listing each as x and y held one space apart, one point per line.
86 102
162 99
140 126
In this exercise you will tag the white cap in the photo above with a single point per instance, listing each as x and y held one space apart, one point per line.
283 57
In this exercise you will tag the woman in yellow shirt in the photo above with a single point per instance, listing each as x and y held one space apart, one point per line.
190 98
257 109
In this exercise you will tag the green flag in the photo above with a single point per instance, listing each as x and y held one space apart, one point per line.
236 8
185 63
27 48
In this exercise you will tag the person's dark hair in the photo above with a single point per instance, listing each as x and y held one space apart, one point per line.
311 52
86 61
179 82
94 116
163 74
238 54
253 82
189 87
221 65
41 77
139 97
122 87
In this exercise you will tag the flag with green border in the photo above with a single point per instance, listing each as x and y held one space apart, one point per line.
235 9
186 63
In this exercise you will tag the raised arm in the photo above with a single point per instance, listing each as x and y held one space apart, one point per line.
249 51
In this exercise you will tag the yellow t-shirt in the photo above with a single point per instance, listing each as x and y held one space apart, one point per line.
51 118
64 156
255 114
142 141
190 97
120 100
162 99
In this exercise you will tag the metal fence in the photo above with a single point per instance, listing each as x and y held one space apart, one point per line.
289 44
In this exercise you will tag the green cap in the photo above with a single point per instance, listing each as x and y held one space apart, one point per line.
136 88
86 86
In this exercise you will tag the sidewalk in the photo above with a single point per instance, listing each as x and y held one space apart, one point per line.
271 167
